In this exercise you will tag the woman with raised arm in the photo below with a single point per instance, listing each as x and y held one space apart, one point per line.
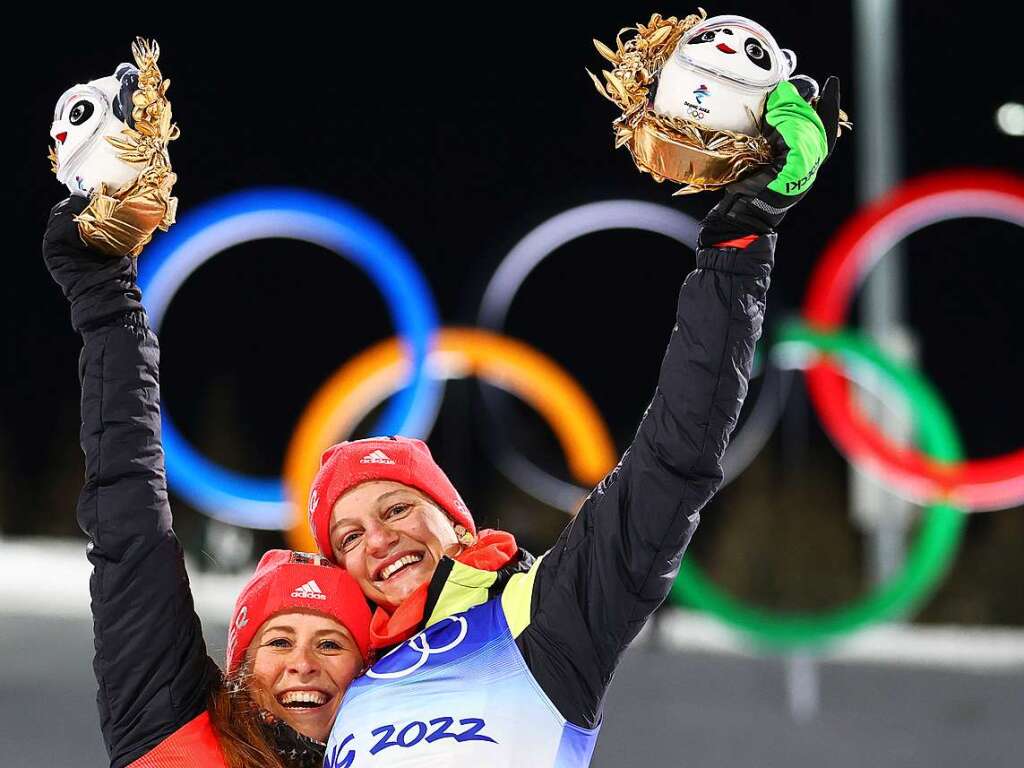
492 659
300 628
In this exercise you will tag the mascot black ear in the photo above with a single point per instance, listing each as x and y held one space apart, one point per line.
790 58
129 77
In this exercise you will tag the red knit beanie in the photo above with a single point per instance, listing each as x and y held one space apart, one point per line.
401 459
285 581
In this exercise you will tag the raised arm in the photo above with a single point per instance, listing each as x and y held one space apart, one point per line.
151 663
615 563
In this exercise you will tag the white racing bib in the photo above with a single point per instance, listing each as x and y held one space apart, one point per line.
458 695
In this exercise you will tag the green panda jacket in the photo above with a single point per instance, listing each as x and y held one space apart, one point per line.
511 668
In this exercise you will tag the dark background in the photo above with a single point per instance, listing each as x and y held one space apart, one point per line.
461 132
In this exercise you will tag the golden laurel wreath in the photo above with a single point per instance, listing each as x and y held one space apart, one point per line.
123 222
669 147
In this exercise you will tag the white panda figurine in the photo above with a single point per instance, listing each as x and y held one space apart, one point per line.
721 73
85 115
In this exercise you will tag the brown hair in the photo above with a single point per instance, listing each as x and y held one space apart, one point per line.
236 720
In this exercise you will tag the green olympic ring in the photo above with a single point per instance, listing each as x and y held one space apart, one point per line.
930 555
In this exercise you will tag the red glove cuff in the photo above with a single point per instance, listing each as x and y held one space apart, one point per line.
739 242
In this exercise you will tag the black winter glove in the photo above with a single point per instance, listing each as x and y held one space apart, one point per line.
100 288
801 138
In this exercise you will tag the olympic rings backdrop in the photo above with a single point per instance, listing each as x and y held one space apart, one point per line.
408 371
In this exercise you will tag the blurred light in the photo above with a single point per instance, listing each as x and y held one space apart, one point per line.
1010 118
229 548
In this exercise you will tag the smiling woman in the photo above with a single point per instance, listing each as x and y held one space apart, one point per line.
298 637
391 538
487 656
301 664
300 629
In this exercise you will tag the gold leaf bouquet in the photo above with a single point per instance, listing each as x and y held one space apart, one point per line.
666 147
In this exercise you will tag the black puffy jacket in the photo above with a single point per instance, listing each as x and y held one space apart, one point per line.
575 611
151 664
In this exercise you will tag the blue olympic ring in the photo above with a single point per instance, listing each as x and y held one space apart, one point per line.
313 218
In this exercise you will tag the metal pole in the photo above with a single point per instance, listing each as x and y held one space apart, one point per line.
878 139
802 684
884 517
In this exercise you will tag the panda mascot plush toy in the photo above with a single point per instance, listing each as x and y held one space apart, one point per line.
693 94
86 117
110 145
720 74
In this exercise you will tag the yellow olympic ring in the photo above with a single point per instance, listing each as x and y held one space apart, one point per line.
367 379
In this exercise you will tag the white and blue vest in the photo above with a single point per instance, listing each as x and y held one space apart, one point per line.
458 694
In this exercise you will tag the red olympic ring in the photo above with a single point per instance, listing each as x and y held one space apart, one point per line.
981 484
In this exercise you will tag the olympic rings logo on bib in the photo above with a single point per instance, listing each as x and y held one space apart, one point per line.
420 645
